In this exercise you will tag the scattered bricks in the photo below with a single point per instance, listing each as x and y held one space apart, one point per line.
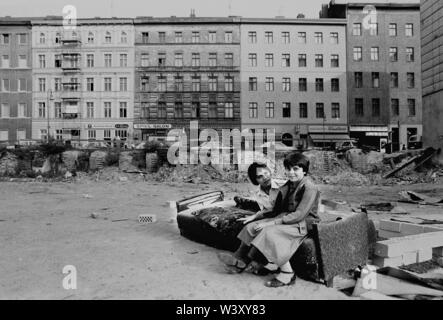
387 262
388 234
439 260
395 247
437 251
424 255
390 226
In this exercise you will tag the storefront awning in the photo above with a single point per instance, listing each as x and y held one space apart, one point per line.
329 137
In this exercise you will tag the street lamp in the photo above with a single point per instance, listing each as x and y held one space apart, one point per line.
50 97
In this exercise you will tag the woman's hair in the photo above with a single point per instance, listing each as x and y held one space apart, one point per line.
252 171
296 159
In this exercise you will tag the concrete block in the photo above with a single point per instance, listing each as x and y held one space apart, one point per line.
437 251
424 255
388 234
432 229
395 247
390 226
408 229
410 257
387 262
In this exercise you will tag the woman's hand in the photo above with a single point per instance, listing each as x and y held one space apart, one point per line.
262 225
248 218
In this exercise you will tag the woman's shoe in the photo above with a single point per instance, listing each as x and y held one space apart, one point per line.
232 264
275 283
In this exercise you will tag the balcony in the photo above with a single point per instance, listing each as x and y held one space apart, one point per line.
70 68
70 95
70 41
71 116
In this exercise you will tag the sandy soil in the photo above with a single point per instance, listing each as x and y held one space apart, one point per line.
46 226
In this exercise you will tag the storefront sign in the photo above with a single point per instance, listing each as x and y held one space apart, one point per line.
332 129
369 129
122 126
152 126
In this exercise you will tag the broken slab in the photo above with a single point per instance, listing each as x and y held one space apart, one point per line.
392 229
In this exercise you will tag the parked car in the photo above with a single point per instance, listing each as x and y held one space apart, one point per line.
279 146
345 145
415 142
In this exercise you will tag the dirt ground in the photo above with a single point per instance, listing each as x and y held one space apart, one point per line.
46 226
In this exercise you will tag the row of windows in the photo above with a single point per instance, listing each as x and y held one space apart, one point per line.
357 54
92 134
179 84
375 80
302 84
302 60
375 107
179 61
74 85
209 37
107 110
195 111
6 38
73 61
22 61
373 29
5 111
286 37
91 38
269 110
20 133
7 86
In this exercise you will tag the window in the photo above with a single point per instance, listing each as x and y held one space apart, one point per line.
318 36
252 84
123 84
90 60
90 110
253 110
107 110
108 84
41 84
161 59
195 37
178 110
213 110
269 110
393 54
409 30
162 37
145 37
144 83
376 107
41 110
122 133
393 29
42 38
228 37
252 58
252 37
162 85
269 37
229 110
178 59
123 60
356 29
229 59
5 110
410 57
302 60
269 84
92 134
5 85
90 37
285 37
195 84
335 110
212 59
22 61
22 38
178 37
195 62
123 110
229 84
212 36
57 84
195 110
286 84
43 134
358 53
108 60
335 85
57 110
22 84
144 110
285 60
335 63
301 37
375 53
269 60
286 110
359 107
90 84
319 86
213 83
411 107
395 107
373 29
5 38
42 61
21 134
21 112
410 80
394 80
334 37
108 38
161 110
145 60
319 110
303 84
375 80
358 79
303 110
124 37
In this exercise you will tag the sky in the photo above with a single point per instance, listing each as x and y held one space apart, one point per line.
166 8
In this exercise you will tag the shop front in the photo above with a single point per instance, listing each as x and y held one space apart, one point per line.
375 137
327 136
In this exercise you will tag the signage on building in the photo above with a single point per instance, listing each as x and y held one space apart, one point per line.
152 126
376 134
331 129
100 126
122 126
369 128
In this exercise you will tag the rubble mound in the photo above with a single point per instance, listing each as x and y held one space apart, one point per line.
8 164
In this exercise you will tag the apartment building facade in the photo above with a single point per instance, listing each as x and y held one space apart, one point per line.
15 80
293 79
384 71
186 69
432 61
83 79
